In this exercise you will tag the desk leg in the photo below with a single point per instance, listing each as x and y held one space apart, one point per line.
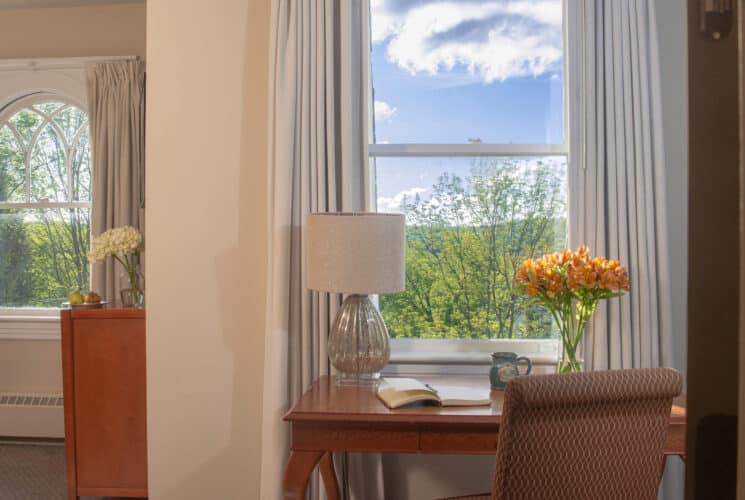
297 473
329 476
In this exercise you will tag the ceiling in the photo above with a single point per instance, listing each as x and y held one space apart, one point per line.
32 4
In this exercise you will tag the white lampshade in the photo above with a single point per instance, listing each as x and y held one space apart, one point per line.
355 253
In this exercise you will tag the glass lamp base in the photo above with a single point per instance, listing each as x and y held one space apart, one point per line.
358 343
357 379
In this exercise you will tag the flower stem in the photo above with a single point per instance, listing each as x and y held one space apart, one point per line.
130 267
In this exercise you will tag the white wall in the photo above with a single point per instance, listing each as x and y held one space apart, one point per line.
206 246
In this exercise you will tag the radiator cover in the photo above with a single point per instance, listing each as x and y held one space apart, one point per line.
31 415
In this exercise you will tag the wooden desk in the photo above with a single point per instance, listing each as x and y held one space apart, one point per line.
334 419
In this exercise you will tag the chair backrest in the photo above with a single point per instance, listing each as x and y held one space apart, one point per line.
596 435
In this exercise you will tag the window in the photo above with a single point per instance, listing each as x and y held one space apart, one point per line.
469 141
45 193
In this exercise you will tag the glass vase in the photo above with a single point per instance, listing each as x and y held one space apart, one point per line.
132 288
572 321
568 361
358 343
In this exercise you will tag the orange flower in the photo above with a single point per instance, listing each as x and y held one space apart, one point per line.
570 284
571 272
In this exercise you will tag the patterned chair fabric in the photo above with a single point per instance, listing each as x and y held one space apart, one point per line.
584 436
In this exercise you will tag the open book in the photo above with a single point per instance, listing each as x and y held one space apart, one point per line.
395 392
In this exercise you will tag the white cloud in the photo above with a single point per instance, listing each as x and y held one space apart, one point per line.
383 111
384 23
393 204
493 40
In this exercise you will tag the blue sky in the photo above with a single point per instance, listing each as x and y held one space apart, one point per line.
454 71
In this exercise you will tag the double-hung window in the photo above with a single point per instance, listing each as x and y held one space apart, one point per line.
470 142
45 193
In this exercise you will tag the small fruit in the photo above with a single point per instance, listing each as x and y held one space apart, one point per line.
76 297
92 298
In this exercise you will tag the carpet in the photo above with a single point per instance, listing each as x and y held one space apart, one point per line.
33 472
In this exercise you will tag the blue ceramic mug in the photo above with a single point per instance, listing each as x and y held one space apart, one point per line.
505 366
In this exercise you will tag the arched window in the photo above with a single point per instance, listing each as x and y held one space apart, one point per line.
45 193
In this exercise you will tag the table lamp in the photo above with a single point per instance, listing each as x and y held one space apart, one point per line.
358 254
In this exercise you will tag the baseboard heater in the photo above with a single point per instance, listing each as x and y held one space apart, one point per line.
31 415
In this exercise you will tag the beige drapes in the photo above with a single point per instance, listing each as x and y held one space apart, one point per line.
617 179
116 111
617 183
318 152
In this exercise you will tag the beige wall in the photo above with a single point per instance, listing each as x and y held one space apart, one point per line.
101 30
206 246
30 366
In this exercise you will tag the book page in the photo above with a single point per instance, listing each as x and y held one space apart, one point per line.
462 396
404 384
395 392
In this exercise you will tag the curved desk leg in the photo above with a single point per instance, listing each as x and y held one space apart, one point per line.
329 476
297 473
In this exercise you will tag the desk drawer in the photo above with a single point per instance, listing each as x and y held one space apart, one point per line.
458 440
332 436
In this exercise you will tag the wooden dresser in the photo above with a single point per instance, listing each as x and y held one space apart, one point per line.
103 367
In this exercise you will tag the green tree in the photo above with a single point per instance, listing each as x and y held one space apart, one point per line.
15 251
15 262
464 246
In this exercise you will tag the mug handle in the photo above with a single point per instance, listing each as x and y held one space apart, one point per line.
530 364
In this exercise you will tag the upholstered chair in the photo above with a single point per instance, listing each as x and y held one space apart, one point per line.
584 436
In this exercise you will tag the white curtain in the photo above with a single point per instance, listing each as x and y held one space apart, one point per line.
617 181
318 156
116 111
617 172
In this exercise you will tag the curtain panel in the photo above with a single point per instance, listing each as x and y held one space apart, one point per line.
617 183
617 177
317 161
116 110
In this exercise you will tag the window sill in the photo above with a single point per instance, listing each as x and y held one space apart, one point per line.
29 324
465 357
460 358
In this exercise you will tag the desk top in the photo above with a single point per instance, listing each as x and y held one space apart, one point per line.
327 402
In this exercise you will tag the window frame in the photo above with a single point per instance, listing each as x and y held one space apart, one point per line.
37 323
64 77
28 101
416 355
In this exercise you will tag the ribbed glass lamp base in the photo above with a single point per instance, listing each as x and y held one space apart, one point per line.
370 379
358 343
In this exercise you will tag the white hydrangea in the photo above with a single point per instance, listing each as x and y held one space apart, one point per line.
117 242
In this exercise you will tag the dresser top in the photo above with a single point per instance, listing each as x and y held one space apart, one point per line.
105 313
